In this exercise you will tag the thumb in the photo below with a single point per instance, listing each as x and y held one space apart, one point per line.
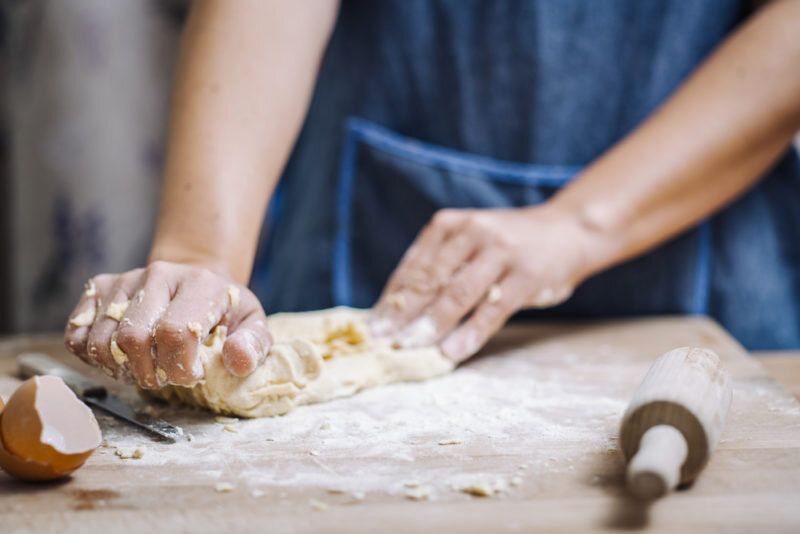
248 342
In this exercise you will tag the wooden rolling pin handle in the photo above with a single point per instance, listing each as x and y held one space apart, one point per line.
656 467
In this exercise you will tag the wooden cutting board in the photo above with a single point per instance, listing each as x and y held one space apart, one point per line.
537 414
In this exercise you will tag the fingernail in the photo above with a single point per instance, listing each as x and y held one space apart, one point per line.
460 346
419 333
380 326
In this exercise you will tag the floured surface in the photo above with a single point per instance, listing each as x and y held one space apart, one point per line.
316 357
534 424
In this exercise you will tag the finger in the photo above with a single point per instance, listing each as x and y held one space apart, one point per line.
109 312
135 332
469 286
501 302
248 344
426 246
413 266
420 287
185 322
76 332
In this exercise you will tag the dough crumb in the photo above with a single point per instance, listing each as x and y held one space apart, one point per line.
317 505
269 439
225 419
516 481
522 467
117 353
233 295
449 442
256 493
127 453
411 483
224 487
313 453
195 328
483 489
189 437
91 289
162 374
325 425
422 493
85 318
494 294
116 310
229 428
140 296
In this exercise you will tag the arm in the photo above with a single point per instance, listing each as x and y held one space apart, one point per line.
245 75
711 141
707 144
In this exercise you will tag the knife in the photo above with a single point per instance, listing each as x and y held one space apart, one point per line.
93 394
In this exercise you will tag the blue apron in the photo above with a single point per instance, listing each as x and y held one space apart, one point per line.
425 104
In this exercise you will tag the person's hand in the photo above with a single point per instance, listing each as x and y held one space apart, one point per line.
468 271
145 325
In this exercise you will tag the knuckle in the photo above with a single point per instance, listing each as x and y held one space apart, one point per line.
459 296
132 274
157 269
172 332
445 217
133 339
200 277
103 280
481 226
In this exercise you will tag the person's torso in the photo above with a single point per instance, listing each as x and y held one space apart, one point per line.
426 104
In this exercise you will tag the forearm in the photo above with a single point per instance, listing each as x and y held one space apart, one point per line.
245 75
705 146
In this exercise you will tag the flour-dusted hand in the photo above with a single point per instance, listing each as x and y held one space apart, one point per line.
469 270
145 325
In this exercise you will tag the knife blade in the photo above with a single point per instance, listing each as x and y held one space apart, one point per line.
94 394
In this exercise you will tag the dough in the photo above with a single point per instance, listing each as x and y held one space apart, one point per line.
316 356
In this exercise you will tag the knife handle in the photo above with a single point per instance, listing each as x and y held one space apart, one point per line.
36 363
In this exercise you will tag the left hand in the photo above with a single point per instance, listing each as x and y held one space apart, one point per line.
469 270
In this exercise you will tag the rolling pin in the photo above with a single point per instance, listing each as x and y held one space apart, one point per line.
674 421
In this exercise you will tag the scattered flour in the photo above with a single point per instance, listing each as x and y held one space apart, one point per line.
395 432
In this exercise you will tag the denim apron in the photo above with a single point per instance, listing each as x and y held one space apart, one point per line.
426 104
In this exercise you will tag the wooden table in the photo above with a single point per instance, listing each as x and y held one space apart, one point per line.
539 412
783 366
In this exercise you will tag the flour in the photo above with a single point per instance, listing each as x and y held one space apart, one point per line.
499 406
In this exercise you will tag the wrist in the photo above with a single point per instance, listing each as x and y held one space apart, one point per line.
205 259
577 230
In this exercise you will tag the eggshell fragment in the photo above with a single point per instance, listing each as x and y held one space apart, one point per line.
46 432
26 469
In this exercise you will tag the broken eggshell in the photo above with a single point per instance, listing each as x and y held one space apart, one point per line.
46 432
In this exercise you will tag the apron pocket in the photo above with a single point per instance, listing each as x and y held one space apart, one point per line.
390 186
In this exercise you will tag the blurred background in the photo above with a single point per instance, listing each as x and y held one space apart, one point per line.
85 88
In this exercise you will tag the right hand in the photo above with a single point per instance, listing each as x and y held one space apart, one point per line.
172 308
